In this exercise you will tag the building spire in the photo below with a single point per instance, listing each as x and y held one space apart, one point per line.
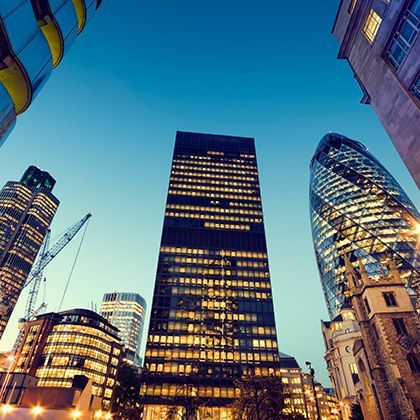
365 279
393 271
351 276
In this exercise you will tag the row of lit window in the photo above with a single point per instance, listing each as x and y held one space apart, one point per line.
198 173
211 188
213 195
200 181
210 158
214 209
226 226
64 373
212 163
211 314
212 170
204 329
85 329
217 272
167 390
211 355
211 261
222 253
213 217
209 283
218 293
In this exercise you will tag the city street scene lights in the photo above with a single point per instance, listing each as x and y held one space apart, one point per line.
37 410
6 409
75 414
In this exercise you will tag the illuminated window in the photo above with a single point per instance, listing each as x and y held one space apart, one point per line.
352 6
371 26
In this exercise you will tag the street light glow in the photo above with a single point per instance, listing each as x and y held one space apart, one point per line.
76 414
98 414
37 410
6 408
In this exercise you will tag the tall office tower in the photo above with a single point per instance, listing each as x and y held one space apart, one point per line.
358 208
126 311
26 212
34 37
380 40
212 318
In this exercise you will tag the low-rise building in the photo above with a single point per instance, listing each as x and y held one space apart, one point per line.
340 335
304 397
58 346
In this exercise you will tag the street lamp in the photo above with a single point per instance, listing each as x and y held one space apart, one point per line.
7 408
37 410
75 414
312 373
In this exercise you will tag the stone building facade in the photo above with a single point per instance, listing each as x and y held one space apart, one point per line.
340 335
388 352
379 39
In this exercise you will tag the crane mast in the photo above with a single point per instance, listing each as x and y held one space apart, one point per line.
46 255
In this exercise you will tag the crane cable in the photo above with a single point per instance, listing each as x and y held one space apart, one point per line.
74 265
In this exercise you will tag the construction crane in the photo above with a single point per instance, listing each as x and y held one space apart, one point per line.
46 255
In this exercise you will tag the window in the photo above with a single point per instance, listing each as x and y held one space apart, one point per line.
405 35
353 368
371 26
367 305
399 326
413 362
352 6
389 298
415 88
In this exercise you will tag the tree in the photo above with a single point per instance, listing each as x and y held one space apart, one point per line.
261 398
356 412
126 400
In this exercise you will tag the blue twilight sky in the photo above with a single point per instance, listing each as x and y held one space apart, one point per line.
104 127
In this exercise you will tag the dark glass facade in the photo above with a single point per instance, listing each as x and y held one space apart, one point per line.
358 208
27 209
212 316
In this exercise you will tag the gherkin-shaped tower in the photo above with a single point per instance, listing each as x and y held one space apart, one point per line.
358 208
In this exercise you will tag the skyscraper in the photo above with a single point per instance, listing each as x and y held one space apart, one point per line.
34 37
126 311
358 208
212 318
379 39
26 212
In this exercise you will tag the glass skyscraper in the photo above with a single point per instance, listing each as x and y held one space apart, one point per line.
27 209
212 318
34 37
358 208
126 311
